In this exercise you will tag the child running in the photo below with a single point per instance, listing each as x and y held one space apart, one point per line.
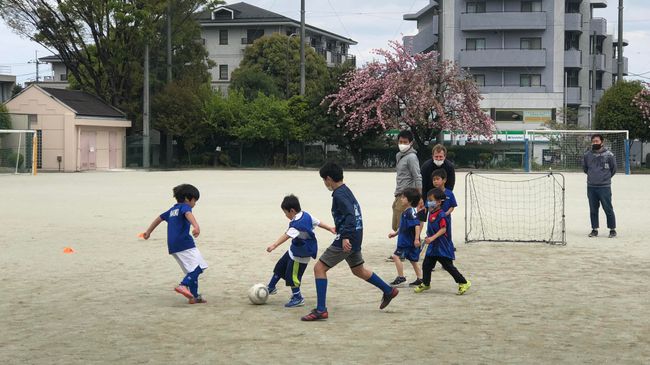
291 266
408 238
441 248
347 244
179 242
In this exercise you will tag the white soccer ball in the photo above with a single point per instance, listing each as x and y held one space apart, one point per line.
258 294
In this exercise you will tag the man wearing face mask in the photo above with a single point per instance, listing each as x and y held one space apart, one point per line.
600 165
438 161
408 173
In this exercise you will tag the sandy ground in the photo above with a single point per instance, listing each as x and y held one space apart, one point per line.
112 301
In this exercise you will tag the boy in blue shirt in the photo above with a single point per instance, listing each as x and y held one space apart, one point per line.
408 238
179 242
291 266
439 178
440 247
347 244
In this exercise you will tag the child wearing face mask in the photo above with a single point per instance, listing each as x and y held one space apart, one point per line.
439 178
440 247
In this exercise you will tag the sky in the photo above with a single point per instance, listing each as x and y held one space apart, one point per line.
372 23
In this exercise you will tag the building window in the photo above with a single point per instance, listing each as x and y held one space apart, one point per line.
253 34
531 43
531 6
475 7
571 41
572 79
572 7
509 115
479 80
64 77
223 37
528 80
599 80
472 44
223 72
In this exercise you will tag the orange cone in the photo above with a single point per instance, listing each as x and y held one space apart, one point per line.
141 235
68 250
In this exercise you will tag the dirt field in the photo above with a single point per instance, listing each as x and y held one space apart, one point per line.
112 301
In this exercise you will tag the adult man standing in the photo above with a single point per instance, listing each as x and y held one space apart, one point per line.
600 165
438 161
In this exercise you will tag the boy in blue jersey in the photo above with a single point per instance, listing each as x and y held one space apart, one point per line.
179 242
441 248
347 244
439 178
408 238
291 266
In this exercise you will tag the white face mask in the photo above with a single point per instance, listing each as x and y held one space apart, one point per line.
403 147
438 162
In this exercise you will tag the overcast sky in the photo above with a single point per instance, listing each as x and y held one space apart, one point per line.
372 23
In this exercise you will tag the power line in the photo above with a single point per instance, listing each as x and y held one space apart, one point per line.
340 21
402 22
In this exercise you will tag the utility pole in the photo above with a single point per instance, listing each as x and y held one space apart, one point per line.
619 76
145 113
302 47
169 145
37 62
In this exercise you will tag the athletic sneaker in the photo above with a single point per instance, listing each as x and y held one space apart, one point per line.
315 315
185 291
462 288
398 281
197 300
416 283
593 233
272 290
385 300
612 233
295 302
420 288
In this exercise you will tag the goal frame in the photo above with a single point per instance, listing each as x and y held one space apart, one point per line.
561 242
528 155
34 147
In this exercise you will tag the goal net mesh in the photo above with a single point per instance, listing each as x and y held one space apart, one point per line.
16 151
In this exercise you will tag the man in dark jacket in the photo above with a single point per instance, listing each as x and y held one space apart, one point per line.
600 165
438 161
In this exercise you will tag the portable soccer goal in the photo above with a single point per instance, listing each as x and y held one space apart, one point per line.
515 207
563 150
18 151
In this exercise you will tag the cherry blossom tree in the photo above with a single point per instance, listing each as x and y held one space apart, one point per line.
410 91
642 100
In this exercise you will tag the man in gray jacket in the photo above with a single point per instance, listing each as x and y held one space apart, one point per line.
600 165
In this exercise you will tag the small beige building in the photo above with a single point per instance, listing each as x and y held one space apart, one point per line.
77 131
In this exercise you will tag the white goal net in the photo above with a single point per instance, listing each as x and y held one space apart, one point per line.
515 207
17 151
564 149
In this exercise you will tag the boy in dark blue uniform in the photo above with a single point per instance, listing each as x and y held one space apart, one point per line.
291 266
347 245
441 248
179 242
408 238
439 179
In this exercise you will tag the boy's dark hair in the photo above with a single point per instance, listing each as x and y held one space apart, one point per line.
290 202
597 135
332 170
186 192
413 196
441 173
437 194
406 134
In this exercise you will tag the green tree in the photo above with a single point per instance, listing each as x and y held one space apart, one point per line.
250 81
616 110
16 90
5 121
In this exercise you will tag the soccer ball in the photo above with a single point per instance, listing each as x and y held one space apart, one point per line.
258 294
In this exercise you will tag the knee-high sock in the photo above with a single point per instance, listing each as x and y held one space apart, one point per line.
376 281
274 280
321 293
191 280
296 291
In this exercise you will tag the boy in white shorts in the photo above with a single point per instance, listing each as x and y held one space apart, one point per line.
180 243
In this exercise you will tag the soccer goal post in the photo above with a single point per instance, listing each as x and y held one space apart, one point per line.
564 149
18 151
515 207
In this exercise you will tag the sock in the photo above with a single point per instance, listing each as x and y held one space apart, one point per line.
321 293
376 281
296 292
274 280
191 280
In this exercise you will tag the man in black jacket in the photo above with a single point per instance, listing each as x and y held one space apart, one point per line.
438 161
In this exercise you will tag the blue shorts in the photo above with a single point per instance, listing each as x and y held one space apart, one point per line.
410 253
289 270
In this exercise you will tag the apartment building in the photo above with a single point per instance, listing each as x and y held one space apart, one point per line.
58 78
229 29
7 83
529 58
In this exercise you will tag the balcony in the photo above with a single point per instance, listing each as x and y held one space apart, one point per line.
503 21
511 89
615 66
599 26
574 95
573 58
599 3
599 62
573 22
503 58
426 38
598 95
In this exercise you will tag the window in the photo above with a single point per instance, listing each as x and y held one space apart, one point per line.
509 115
571 41
64 77
572 79
528 80
531 6
223 72
572 8
599 80
531 43
479 80
475 7
223 36
472 44
253 34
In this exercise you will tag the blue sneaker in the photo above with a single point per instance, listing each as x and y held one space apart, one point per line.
272 290
295 302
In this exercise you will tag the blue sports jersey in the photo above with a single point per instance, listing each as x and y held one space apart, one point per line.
347 218
406 230
305 244
450 202
178 228
441 246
